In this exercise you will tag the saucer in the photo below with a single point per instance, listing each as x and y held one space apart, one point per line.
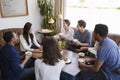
67 61
81 54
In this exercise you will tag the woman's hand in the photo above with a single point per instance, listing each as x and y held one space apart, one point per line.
41 49
36 50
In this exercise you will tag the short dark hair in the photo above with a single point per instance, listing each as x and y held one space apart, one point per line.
101 29
67 21
51 52
7 36
82 23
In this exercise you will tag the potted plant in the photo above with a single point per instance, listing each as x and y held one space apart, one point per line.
46 10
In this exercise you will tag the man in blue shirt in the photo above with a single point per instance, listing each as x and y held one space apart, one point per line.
107 63
12 68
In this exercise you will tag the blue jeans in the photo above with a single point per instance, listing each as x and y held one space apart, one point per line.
27 73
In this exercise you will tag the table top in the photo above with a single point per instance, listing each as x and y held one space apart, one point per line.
71 68
45 32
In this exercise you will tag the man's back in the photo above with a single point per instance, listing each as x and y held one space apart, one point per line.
11 68
110 55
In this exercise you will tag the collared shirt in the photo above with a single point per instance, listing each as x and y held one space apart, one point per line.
69 34
109 54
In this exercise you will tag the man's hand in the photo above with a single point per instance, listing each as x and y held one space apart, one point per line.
28 56
83 48
90 60
81 65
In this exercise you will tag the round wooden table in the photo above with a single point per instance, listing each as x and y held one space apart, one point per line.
45 32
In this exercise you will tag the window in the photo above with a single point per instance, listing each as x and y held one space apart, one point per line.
94 12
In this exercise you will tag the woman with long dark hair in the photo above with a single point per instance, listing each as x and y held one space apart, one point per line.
28 40
28 43
51 63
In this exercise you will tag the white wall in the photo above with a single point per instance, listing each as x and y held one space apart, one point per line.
33 17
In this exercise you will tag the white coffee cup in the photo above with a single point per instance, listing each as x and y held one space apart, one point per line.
81 54
28 53
75 40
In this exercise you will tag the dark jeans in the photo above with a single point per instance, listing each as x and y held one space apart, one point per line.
28 73
34 46
28 70
90 75
67 76
30 63
72 47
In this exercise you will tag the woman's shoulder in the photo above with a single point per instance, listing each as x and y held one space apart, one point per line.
21 37
38 60
61 61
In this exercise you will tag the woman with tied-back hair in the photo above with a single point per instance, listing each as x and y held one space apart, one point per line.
51 63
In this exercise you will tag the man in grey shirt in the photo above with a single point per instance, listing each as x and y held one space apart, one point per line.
82 36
